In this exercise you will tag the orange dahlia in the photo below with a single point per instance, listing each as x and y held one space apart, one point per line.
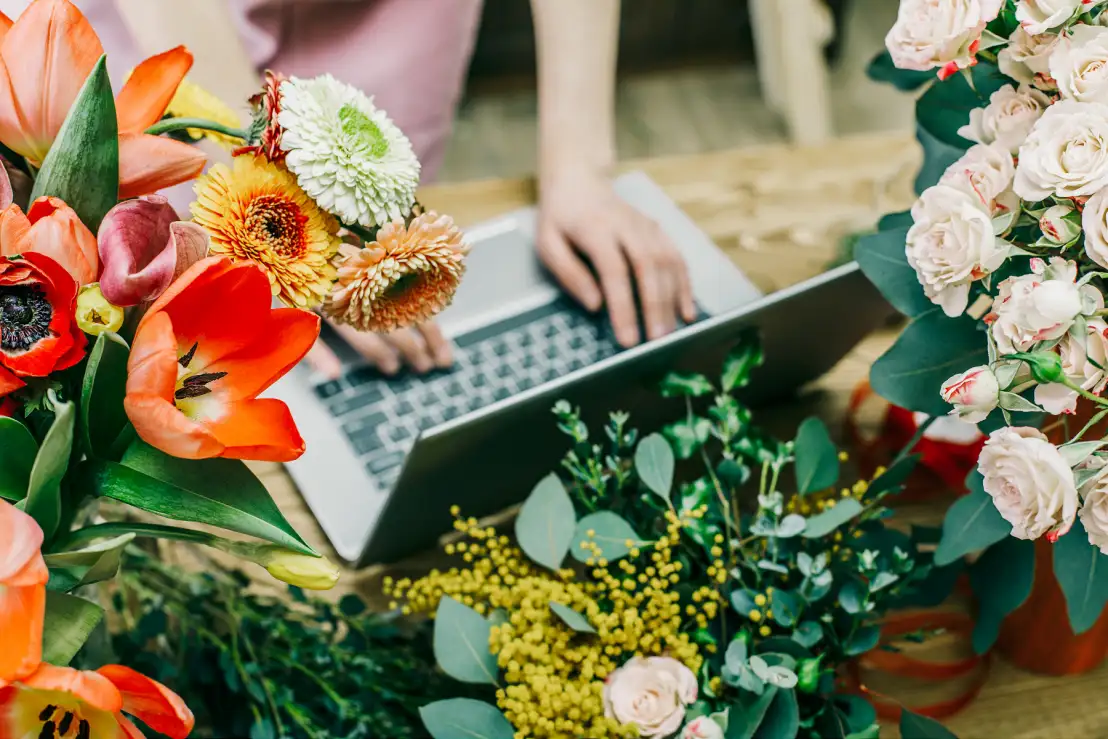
265 132
255 210
405 276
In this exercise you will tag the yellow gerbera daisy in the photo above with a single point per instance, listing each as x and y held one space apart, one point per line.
255 210
193 101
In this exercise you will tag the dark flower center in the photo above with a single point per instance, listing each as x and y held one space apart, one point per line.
55 727
275 225
195 386
25 315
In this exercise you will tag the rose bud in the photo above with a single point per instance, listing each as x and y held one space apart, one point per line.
973 393
1061 224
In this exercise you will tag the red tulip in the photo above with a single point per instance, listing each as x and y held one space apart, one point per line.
52 228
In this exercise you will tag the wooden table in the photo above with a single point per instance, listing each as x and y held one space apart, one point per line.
781 213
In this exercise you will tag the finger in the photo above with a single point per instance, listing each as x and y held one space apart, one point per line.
412 348
655 286
615 281
441 350
685 296
572 274
372 348
324 361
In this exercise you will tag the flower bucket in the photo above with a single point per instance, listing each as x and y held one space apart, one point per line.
1037 636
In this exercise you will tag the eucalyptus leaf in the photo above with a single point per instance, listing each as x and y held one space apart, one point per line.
464 718
782 719
1001 580
18 449
863 639
44 491
808 634
787 607
824 523
972 522
914 726
572 618
882 259
1082 574
610 533
817 458
545 525
654 463
744 718
461 643
882 69
895 476
790 526
852 596
69 621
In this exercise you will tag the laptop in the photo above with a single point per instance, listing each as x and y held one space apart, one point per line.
387 457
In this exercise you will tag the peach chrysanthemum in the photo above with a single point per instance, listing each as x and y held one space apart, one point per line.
255 210
403 277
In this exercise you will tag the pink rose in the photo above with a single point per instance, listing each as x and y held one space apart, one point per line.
1031 485
650 693
974 394
702 728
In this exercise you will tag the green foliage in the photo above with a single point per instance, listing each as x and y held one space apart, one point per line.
1001 580
817 459
102 391
654 464
882 259
1082 573
572 618
463 718
938 155
914 726
609 532
462 643
972 522
44 490
69 621
882 69
678 385
825 523
82 167
18 449
95 563
545 525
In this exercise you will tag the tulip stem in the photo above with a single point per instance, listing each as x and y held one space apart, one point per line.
81 537
169 125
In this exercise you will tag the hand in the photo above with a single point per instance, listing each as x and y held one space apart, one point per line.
423 348
581 216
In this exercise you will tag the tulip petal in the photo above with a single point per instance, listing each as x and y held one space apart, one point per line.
151 163
58 232
273 349
45 58
137 249
90 688
150 88
261 430
130 731
20 542
5 24
7 194
22 615
151 702
14 227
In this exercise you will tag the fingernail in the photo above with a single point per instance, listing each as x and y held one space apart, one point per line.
421 365
444 358
627 337
390 367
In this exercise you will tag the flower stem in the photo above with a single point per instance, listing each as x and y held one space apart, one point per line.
1083 392
907 448
170 125
1092 422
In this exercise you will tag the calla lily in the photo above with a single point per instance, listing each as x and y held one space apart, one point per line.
45 57
52 228
143 247
23 577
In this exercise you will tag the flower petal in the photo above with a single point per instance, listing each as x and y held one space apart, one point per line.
190 243
261 430
9 383
137 249
7 194
95 690
147 92
22 614
151 163
45 58
20 544
58 232
151 702
275 347
63 346
5 24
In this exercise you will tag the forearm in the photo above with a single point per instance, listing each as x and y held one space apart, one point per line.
577 46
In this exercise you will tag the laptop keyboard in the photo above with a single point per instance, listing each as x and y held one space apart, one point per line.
382 417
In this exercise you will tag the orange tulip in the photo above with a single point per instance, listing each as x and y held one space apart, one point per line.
202 354
51 227
45 58
23 577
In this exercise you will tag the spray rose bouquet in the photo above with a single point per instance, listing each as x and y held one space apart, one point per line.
134 346
1000 265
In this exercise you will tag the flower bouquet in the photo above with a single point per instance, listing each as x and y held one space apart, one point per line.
1000 265
134 346
633 604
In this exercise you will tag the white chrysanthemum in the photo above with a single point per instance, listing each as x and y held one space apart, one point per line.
345 152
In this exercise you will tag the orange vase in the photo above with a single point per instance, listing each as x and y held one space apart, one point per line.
1037 636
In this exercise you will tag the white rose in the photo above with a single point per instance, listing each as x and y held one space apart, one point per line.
1037 307
1007 119
1030 483
1084 362
1079 64
1066 153
950 244
985 172
974 394
1039 16
650 693
939 33
702 728
1094 511
1026 58
1094 219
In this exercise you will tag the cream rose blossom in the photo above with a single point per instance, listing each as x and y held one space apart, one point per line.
1084 361
1079 64
973 393
1030 483
941 34
950 244
1066 153
1039 16
1007 119
702 728
1094 220
1094 510
985 172
1026 58
1037 307
651 693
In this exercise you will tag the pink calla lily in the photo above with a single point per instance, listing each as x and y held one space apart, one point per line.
143 247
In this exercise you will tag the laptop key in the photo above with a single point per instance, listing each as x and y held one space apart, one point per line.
382 462
329 389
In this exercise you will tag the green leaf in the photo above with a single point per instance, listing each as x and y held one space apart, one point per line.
44 491
461 643
82 167
546 522
572 618
464 718
808 634
740 363
863 640
687 437
891 221
946 106
1001 580
882 259
856 710
882 69
1082 573
914 726
824 523
852 596
745 717
678 385
817 458
894 477
654 462
69 621
610 533
18 450
972 522
937 158
95 563
782 720
930 350
102 391
786 607
218 492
